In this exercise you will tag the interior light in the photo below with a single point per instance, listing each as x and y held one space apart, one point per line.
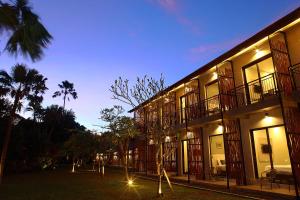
151 141
167 139
189 135
277 131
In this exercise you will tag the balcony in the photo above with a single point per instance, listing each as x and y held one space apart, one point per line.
255 91
250 97
205 109
295 73
243 98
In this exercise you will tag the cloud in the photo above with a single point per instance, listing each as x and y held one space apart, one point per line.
207 51
168 5
175 8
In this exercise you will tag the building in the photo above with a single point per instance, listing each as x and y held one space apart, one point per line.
236 120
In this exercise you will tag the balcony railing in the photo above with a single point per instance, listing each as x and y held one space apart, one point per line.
256 90
249 93
205 108
295 72
252 92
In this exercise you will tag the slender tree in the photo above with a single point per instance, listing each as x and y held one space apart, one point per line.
66 90
19 85
27 35
144 89
122 130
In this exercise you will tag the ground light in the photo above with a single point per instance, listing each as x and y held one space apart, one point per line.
130 182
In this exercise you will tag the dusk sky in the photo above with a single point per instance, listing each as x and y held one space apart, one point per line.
96 41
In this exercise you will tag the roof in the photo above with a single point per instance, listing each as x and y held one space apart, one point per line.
282 22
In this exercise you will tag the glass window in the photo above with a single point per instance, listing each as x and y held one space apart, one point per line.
212 90
217 155
262 149
260 81
271 151
280 152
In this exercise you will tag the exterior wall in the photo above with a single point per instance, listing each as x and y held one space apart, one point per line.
292 36
246 58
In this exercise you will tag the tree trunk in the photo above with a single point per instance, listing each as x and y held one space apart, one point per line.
123 150
64 102
126 168
7 136
159 171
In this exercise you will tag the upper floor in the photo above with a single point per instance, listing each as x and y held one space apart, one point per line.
249 77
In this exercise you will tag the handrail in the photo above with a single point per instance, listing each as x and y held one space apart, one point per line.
242 95
295 73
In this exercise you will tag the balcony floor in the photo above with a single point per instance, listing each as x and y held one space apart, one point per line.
254 189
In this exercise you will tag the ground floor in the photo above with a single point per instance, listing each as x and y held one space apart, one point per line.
85 184
250 152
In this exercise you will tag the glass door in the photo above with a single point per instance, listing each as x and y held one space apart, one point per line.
259 79
212 98
270 151
185 161
183 103
217 155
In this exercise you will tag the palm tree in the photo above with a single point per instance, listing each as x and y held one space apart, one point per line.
66 89
27 36
19 85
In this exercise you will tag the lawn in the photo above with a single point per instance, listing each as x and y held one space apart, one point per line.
63 185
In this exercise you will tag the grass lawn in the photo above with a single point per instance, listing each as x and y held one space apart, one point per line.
63 185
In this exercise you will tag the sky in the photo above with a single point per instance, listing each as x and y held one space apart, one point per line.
96 41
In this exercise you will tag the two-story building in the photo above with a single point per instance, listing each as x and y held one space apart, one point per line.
236 120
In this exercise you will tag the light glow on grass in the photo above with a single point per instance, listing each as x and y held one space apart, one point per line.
130 182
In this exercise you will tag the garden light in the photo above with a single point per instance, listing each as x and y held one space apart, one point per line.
130 182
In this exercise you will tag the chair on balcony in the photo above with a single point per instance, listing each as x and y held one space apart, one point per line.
269 176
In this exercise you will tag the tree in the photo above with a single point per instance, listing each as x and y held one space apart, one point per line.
122 130
36 98
57 122
81 145
144 89
66 89
19 85
27 35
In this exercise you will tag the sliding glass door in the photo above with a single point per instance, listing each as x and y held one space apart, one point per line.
270 151
217 155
